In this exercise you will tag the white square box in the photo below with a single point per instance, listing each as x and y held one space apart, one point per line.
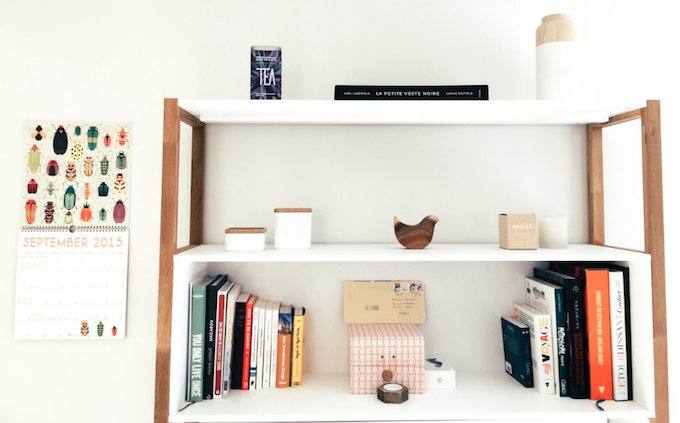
438 373
292 228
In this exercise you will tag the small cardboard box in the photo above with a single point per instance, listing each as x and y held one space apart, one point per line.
438 373
376 347
518 231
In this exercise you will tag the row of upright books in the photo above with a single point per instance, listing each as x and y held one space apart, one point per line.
240 341
572 336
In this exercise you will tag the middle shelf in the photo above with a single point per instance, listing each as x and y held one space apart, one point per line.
396 253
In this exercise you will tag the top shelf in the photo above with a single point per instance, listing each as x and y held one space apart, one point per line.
412 112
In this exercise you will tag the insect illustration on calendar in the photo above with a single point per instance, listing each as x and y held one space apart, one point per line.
121 161
119 212
86 213
107 139
88 166
77 131
102 213
100 325
70 197
104 164
84 328
49 212
30 211
38 134
70 171
123 136
119 183
32 186
92 137
114 330
76 150
60 140
50 189
34 156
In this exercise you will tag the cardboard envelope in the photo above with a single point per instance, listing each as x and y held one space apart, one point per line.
389 301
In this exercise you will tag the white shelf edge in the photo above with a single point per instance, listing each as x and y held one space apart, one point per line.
396 253
478 396
330 112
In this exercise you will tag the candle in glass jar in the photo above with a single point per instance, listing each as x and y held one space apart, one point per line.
552 232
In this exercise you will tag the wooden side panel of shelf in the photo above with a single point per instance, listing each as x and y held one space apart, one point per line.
654 239
172 117
653 224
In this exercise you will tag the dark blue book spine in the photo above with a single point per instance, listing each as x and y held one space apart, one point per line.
517 351
561 343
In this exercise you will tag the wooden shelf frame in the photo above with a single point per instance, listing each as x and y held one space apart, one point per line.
653 224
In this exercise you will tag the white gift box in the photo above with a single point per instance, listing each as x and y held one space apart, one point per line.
244 239
438 373
293 228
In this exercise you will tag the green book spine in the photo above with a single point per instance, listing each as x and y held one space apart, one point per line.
197 343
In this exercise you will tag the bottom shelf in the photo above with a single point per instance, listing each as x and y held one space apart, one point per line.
478 396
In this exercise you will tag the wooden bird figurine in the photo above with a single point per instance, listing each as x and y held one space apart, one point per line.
415 237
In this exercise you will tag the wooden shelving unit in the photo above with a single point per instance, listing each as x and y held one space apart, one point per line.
488 396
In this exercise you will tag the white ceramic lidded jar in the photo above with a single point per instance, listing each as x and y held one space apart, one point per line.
293 228
244 239
557 59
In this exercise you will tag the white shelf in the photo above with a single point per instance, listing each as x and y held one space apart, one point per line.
329 112
478 396
397 253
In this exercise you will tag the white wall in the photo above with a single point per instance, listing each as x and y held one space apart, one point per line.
117 61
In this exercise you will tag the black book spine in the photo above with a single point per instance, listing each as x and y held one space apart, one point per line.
577 365
210 335
237 348
411 92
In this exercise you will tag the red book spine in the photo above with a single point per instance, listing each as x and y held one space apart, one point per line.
599 335
247 340
219 344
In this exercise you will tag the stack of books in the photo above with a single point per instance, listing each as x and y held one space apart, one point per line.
240 341
572 336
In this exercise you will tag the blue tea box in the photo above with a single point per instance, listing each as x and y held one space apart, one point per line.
265 73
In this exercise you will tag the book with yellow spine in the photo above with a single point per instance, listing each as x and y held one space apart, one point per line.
298 347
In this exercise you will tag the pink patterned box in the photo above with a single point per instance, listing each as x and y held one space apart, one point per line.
376 347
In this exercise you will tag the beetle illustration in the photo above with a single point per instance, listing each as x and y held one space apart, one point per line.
100 325
86 213
119 212
52 168
102 214
50 189
123 137
92 136
34 159
88 166
60 141
104 164
107 140
103 190
38 134
68 218
70 171
119 184
76 150
70 198
121 161
32 186
77 130
86 191
114 330
49 212
84 328
30 211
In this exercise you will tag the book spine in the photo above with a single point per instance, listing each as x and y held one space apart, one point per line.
247 343
260 345
517 351
560 341
298 347
237 348
197 342
219 343
283 361
275 340
229 340
599 337
254 346
411 92
541 347
618 336
577 365
209 356
266 370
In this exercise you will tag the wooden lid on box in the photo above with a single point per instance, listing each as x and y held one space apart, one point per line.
284 210
245 230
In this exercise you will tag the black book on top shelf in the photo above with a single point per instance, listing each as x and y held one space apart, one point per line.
577 363
411 92
211 334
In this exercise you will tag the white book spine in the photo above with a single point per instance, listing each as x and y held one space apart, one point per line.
540 334
266 362
617 311
229 339
275 337
254 346
260 345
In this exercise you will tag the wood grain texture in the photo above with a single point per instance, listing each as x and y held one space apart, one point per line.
197 185
654 245
168 244
624 117
418 236
556 27
595 186
245 230
190 119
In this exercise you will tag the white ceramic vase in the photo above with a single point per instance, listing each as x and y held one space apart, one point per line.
557 59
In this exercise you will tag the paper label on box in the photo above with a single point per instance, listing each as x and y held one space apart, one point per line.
384 302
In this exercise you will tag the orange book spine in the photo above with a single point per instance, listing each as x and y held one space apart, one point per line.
283 361
599 336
